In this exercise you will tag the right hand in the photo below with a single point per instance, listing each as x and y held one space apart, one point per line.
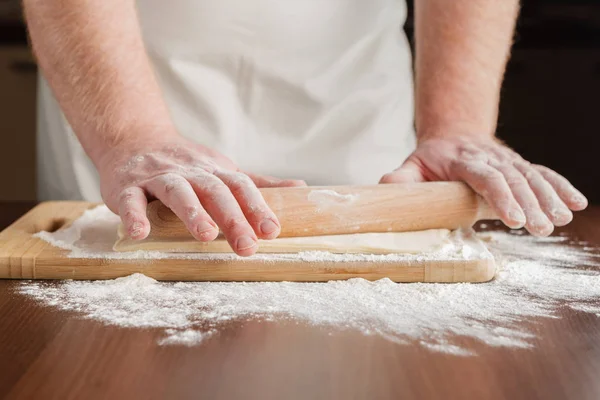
203 188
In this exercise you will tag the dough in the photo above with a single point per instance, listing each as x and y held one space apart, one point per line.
365 243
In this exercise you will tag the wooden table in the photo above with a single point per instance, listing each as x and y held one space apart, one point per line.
45 353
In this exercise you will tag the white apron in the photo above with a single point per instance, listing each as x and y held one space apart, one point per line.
319 90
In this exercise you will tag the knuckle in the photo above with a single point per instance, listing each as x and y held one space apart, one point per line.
531 175
170 188
190 212
233 224
457 164
209 166
524 162
127 195
242 179
130 215
239 184
167 183
257 211
497 163
236 188
207 181
521 164
490 175
540 168
515 181
468 148
153 161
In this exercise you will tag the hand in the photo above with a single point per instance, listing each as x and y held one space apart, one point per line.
202 187
521 193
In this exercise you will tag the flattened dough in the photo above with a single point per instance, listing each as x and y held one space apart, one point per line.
364 243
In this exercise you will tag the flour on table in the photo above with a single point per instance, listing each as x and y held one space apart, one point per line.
186 337
538 277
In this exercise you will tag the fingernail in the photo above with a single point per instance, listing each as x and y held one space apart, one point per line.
204 227
539 224
244 243
579 198
542 230
563 218
517 216
268 226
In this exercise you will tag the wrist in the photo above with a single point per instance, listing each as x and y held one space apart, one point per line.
131 140
453 118
476 132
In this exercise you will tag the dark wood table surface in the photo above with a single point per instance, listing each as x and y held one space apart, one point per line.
46 353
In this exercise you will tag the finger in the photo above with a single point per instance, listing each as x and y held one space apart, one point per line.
265 181
407 173
537 223
132 210
554 208
253 205
224 209
177 194
490 184
566 191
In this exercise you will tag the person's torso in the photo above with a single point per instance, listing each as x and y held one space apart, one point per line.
312 89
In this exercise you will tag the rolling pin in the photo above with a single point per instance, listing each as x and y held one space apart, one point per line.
335 210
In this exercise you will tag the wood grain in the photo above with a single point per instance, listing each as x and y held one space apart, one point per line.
52 354
337 210
23 256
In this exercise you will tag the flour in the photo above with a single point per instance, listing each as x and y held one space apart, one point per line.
327 198
538 277
328 195
187 337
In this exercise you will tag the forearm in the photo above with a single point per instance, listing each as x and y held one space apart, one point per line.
92 54
462 48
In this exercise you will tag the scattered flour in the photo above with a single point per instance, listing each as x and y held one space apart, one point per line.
326 198
538 277
187 337
319 195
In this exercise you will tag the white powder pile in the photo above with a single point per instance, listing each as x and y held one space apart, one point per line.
537 279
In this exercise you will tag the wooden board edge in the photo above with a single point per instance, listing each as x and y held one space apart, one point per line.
19 248
19 252
450 271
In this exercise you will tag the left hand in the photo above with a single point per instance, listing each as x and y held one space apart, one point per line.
521 193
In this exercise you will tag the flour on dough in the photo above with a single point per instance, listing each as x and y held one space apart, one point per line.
362 243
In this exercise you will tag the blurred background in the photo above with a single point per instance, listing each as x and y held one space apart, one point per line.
549 113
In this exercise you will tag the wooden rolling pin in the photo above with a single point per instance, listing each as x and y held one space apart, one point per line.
313 211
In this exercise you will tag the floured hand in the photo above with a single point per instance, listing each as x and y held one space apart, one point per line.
521 193
202 187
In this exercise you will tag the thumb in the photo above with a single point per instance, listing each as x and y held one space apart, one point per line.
409 172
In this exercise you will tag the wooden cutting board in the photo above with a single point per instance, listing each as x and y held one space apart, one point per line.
23 256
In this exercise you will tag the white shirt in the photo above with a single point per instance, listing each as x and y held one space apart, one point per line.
319 90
